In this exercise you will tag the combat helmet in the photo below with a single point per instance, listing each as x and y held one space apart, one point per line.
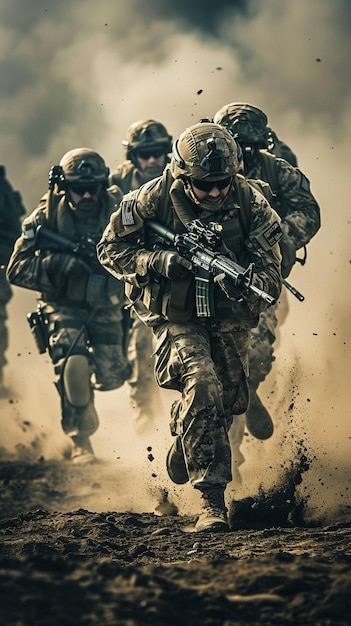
146 134
205 150
247 123
84 165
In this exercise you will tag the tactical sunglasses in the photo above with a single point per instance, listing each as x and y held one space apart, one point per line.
151 152
207 185
80 189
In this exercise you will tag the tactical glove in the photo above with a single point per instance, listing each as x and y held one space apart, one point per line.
231 290
60 264
169 263
288 251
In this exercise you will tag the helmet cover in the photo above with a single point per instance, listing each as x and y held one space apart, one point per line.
84 165
205 150
247 123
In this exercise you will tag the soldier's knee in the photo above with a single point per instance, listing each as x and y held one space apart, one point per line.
76 380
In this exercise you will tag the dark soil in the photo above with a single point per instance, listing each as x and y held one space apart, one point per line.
77 566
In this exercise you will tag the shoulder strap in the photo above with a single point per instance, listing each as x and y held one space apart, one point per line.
244 203
165 200
269 167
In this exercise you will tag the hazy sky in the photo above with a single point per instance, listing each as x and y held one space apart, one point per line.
79 73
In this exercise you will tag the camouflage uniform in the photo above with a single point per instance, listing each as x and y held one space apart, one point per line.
300 215
11 213
128 176
205 359
280 149
81 309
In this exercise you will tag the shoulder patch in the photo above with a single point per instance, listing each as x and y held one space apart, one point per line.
272 234
128 205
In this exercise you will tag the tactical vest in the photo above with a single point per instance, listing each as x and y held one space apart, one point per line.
99 287
175 299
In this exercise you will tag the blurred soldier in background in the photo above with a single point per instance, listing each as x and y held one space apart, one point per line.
146 147
80 305
11 214
279 148
201 326
300 214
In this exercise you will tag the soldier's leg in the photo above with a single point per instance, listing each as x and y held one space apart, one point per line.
184 361
144 392
261 356
73 367
230 350
111 367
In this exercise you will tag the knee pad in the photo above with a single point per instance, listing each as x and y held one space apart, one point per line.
76 380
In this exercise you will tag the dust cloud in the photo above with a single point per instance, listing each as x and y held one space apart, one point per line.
77 74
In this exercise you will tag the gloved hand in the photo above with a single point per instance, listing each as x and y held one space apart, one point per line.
232 291
169 263
62 264
288 251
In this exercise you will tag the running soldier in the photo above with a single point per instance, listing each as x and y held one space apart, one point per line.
80 305
300 221
147 146
201 351
11 214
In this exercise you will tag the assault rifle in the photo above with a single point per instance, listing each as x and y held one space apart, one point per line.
85 248
200 245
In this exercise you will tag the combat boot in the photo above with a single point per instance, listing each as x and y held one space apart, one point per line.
214 512
82 451
258 421
175 463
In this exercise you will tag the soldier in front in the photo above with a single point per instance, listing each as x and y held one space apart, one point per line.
203 355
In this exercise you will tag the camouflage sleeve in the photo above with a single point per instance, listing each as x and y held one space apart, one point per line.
121 249
25 265
262 249
301 215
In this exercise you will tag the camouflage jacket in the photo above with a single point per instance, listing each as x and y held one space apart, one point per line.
126 176
26 268
292 199
124 249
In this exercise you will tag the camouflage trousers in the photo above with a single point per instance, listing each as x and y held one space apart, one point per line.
75 331
144 393
263 338
261 357
5 297
208 363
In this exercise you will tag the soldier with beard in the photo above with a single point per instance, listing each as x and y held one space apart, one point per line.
300 220
203 355
147 146
80 304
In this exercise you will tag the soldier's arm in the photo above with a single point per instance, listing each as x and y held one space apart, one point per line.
25 267
121 249
262 249
302 213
